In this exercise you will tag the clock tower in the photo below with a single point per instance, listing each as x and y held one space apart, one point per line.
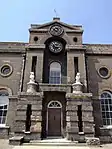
55 55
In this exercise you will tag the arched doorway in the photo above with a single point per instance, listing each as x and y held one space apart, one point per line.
54 118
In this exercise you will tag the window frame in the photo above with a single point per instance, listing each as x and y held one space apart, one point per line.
2 117
106 105
105 67
3 102
53 79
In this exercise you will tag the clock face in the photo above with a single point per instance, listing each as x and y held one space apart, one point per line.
56 30
55 46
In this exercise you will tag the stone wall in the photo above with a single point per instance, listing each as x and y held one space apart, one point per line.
13 80
36 117
73 100
81 64
39 66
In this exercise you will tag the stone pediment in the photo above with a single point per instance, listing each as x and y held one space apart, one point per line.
55 29
46 26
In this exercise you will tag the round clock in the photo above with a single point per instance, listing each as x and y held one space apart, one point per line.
56 30
55 46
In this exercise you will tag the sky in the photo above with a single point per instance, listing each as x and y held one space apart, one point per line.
94 15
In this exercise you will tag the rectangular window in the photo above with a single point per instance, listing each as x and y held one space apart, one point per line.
75 66
34 62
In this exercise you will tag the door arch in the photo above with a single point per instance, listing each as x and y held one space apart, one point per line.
54 118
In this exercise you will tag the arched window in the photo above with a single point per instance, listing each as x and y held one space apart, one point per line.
54 104
4 101
106 106
55 73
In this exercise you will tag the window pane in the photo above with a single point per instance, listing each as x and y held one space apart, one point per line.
4 113
106 101
107 108
51 73
103 114
5 106
1 107
111 114
107 114
103 108
1 112
110 101
3 120
102 101
58 74
108 121
0 119
104 121
110 107
58 80
111 121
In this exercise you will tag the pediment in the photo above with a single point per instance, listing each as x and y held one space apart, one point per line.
65 26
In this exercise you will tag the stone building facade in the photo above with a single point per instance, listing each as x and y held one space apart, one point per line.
71 91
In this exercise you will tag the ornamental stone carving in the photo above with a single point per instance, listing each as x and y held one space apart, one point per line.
77 86
31 85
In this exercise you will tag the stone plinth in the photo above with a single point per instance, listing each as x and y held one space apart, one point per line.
77 88
31 87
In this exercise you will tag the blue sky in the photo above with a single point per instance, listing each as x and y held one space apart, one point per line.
95 16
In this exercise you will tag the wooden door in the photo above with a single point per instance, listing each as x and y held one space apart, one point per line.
54 121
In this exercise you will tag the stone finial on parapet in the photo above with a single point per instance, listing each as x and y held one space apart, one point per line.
77 86
32 85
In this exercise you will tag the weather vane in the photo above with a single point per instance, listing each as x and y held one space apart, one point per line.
56 13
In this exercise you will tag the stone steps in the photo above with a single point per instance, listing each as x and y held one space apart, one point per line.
16 140
54 142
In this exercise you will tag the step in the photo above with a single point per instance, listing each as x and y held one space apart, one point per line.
16 140
54 142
